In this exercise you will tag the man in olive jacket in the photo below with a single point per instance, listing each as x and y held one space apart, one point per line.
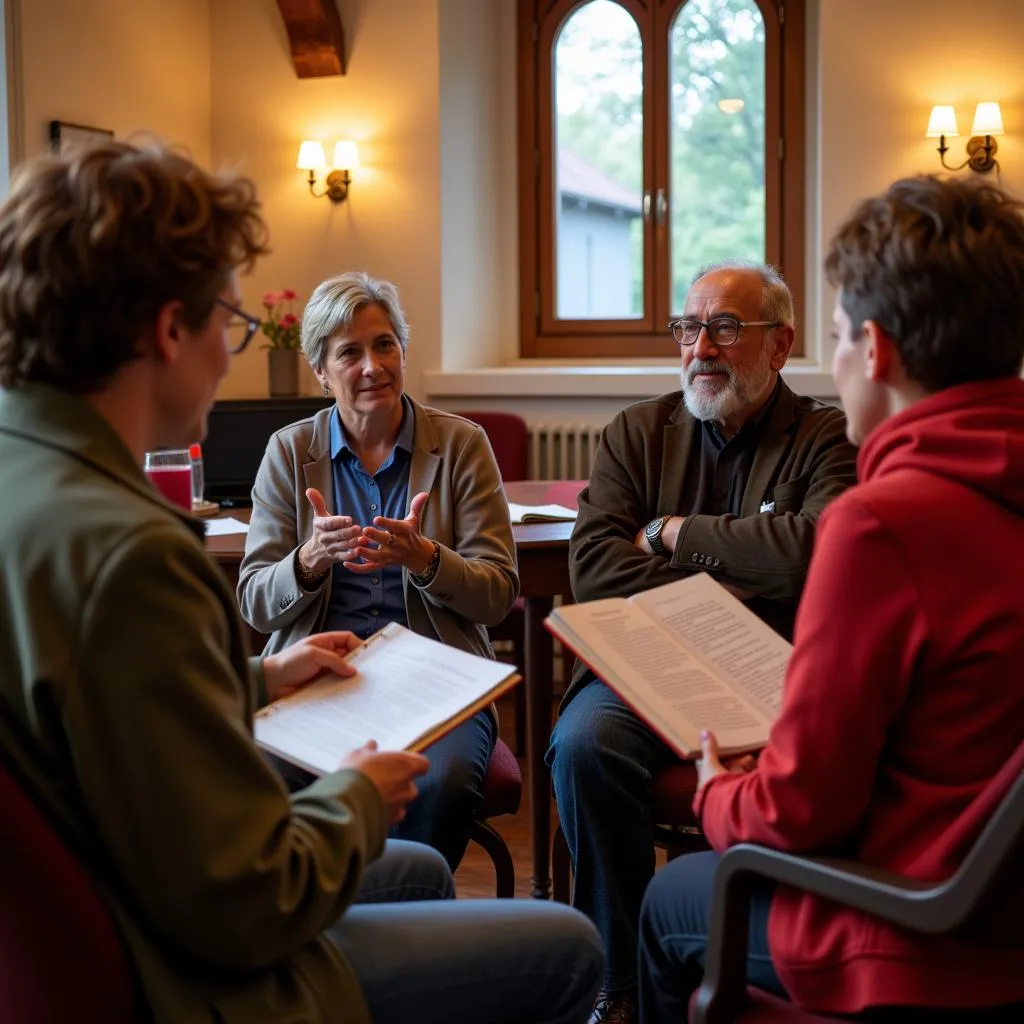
126 697
727 477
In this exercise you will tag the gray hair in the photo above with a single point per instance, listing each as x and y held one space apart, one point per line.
776 300
334 304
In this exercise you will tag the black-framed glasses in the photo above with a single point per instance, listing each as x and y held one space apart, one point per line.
241 327
723 331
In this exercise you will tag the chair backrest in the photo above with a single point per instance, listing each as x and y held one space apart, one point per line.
60 956
509 439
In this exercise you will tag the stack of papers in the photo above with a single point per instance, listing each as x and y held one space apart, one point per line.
541 513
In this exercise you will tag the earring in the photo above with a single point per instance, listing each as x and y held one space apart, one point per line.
327 389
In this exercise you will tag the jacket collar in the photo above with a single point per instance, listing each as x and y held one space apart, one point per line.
773 440
319 470
60 420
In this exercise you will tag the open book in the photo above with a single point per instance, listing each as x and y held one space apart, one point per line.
686 656
540 513
409 691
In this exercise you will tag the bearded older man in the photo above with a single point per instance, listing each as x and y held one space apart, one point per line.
727 477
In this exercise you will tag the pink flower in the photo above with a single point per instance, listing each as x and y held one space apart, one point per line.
271 299
288 295
288 320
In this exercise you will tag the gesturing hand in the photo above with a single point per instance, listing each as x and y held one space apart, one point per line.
710 765
333 539
397 542
392 773
307 660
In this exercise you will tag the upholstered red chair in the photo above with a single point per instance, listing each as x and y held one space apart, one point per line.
985 897
61 958
676 832
510 443
502 793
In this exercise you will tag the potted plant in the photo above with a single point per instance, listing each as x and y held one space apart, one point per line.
282 329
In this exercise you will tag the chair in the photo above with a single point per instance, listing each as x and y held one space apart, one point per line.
677 831
510 443
985 896
61 958
502 792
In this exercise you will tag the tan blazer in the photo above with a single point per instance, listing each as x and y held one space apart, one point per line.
126 707
477 581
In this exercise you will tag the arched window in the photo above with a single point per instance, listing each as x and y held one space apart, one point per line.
655 136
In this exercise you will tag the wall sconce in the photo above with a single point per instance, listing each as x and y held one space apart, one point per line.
981 146
312 159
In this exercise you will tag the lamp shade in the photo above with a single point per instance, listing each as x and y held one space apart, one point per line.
942 122
311 157
346 155
988 120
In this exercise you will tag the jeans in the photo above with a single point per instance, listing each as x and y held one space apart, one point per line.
674 922
421 956
449 794
602 759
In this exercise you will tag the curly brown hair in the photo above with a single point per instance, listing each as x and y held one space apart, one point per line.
939 266
94 244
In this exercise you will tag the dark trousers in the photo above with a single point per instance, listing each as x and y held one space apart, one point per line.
602 760
674 922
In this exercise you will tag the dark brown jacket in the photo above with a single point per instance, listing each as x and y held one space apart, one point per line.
803 461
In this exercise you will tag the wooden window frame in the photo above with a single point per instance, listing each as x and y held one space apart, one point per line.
542 335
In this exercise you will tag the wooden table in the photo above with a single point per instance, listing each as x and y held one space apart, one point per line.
542 550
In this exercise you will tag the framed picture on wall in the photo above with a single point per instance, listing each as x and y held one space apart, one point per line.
65 135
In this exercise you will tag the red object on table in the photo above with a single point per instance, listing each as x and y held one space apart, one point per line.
174 483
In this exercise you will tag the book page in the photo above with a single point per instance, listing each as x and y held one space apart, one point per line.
726 635
540 513
669 688
407 688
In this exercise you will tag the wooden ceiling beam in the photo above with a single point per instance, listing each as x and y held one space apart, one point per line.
316 36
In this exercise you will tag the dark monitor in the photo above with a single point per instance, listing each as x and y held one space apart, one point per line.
237 438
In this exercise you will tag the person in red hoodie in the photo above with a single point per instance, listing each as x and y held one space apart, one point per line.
904 695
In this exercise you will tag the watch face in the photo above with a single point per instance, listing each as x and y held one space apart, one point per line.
654 528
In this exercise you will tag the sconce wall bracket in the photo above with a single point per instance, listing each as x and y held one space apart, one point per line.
981 153
335 186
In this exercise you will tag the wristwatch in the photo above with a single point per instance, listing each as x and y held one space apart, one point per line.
653 534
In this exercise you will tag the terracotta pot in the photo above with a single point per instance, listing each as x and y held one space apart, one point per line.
283 371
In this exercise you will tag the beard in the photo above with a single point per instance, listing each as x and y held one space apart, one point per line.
737 390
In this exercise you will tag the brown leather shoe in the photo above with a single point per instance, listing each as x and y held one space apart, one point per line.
614 1008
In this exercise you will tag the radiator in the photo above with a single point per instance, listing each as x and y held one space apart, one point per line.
562 451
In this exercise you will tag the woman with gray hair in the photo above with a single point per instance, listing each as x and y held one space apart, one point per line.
379 510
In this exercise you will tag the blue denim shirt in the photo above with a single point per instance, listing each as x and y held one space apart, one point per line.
361 603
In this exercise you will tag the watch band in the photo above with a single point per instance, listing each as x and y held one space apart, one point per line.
653 532
425 578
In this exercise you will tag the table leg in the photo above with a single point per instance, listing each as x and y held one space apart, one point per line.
539 652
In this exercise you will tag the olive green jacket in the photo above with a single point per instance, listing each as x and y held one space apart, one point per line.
126 706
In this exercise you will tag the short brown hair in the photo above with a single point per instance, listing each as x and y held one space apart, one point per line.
92 245
939 266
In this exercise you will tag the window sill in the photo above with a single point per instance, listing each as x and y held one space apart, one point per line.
551 379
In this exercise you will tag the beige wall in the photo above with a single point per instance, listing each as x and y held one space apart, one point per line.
388 103
430 97
127 65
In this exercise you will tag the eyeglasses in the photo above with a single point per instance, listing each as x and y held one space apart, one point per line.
241 327
723 331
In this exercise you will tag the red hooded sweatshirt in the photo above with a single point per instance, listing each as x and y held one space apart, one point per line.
904 697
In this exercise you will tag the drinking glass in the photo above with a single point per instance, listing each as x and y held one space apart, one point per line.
170 472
